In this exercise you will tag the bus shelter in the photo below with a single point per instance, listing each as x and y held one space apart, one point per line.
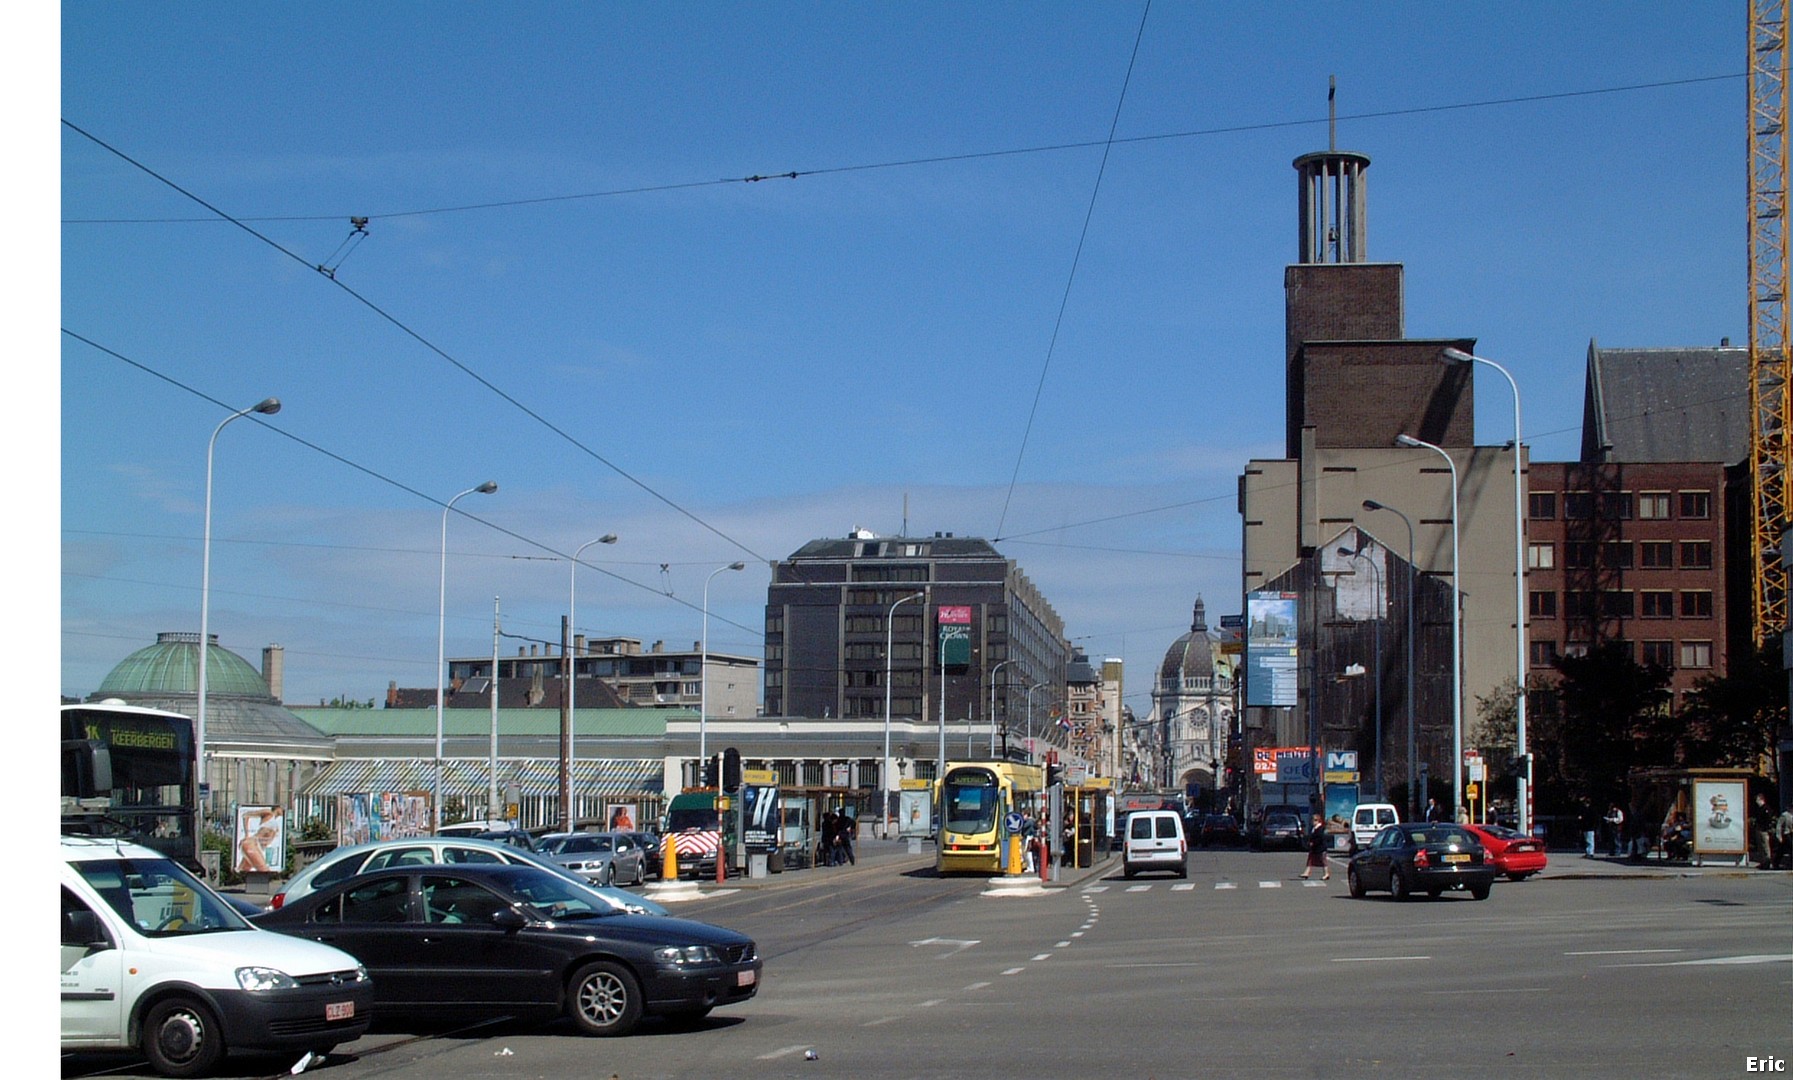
1089 821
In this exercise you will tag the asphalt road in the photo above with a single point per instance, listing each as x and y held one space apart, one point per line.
883 970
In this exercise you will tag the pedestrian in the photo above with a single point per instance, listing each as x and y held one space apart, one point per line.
825 842
1615 827
1783 840
1316 850
1589 826
1434 812
1761 827
847 825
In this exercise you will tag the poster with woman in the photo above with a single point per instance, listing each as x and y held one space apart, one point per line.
1719 816
621 816
260 840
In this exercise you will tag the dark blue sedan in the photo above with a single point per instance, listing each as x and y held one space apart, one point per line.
1417 856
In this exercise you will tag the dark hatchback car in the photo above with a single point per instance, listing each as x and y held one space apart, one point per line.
1279 829
1418 856
475 941
1220 829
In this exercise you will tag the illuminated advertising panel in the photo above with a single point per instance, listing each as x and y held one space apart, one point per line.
1270 649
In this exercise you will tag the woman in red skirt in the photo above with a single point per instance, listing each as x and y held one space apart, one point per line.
1317 840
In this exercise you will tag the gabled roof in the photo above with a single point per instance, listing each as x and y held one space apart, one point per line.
1648 405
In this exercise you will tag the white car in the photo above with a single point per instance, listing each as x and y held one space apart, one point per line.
1155 841
155 962
1368 819
346 862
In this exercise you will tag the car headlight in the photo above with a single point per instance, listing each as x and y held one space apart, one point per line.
688 954
265 978
361 975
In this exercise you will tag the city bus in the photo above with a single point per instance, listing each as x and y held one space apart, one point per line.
974 799
130 772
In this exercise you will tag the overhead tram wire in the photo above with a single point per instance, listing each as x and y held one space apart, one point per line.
430 345
1064 301
384 479
936 159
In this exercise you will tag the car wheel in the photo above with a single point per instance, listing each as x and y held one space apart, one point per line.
1479 892
604 999
1354 881
641 872
607 876
1433 894
1183 871
1128 872
1397 884
1519 877
181 1037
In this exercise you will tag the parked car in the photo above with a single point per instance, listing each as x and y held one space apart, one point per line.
650 850
155 962
1280 829
1155 841
1220 829
602 857
1422 856
486 940
1512 852
1368 819
346 862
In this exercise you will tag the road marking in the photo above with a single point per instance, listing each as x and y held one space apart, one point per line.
1048 956
1323 884
1148 888
1014 971
1079 933
936 1001
1184 963
784 1050
1619 952
981 985
880 1020
1229 884
1185 887
1096 888
1494 990
1759 958
1066 944
1269 884
957 945
1373 959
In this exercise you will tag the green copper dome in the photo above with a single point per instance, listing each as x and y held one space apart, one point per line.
171 666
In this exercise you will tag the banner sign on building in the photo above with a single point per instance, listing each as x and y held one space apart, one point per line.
955 635
1270 649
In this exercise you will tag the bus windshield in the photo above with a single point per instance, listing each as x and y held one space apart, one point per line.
971 801
130 772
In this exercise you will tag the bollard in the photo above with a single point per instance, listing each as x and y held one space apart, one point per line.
669 864
1016 866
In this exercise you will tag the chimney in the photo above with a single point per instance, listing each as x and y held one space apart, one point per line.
392 694
697 646
273 669
659 646
578 644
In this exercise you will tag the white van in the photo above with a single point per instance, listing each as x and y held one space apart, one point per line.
1368 819
154 961
1155 841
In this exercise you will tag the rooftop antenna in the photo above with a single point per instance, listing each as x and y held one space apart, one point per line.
905 531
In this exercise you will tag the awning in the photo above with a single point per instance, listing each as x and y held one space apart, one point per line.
538 777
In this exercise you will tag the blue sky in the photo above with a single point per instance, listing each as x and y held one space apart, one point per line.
565 287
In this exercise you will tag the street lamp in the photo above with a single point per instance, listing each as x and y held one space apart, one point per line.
442 644
566 757
1519 605
1412 758
703 674
1456 631
993 672
266 407
889 644
1376 625
1030 690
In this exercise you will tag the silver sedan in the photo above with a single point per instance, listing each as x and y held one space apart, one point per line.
605 858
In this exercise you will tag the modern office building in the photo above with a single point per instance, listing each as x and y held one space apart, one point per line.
655 677
937 628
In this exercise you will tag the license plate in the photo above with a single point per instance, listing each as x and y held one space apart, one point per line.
339 1010
1456 858
745 978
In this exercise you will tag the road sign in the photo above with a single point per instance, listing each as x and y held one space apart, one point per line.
1341 761
1012 821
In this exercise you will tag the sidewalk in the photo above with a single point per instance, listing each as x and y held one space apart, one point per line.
1574 866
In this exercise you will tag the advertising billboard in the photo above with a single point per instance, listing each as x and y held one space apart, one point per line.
1270 649
955 635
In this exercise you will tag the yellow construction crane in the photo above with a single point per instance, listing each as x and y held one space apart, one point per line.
1769 369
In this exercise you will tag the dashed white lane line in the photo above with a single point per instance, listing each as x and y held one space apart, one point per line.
1324 884
1269 884
1618 952
935 1001
981 985
1048 956
1079 933
1187 886
1015 971
1096 888
1066 944
787 1050
1756 958
1148 888
1374 959
1229 884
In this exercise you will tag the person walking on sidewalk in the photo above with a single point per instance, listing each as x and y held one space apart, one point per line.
1615 827
1317 840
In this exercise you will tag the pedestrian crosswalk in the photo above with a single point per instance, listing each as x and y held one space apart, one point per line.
1218 886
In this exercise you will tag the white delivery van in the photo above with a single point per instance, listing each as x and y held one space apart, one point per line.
1368 819
154 961
1155 841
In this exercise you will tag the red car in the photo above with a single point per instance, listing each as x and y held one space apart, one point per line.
1513 853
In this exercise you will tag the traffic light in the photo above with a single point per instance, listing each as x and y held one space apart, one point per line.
731 769
709 776
1052 773
1520 766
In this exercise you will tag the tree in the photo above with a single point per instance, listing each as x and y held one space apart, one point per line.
1612 716
1732 720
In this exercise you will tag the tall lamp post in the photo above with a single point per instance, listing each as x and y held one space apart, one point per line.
442 645
1456 631
993 672
266 407
1412 753
1519 606
1030 690
703 673
1376 626
567 751
889 644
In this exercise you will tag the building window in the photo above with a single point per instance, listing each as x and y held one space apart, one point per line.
1657 554
1544 654
1542 505
1696 504
1616 604
1658 604
1659 653
1578 555
1616 554
1653 505
1575 648
1696 604
1615 505
1578 505
1579 605
1543 605
1696 554
1540 556
1696 654
775 624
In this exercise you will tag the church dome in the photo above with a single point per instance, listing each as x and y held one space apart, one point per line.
171 666
1190 656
